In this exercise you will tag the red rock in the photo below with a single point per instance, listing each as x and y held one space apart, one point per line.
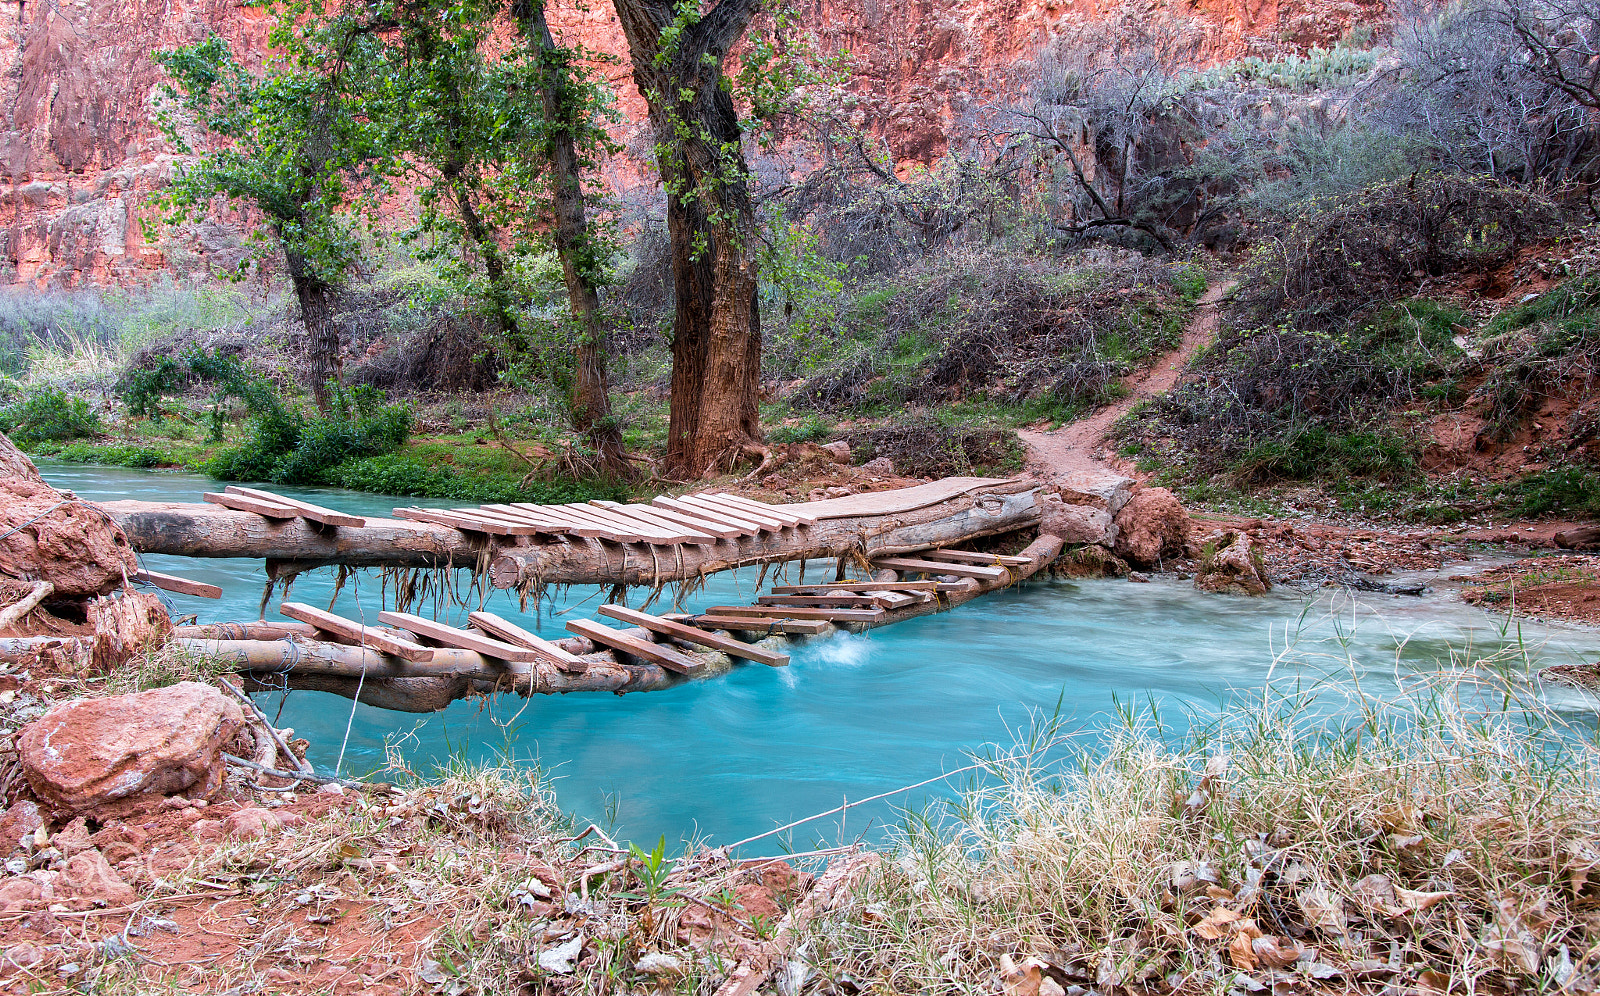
87 875
49 536
17 892
1233 567
91 751
252 823
1076 524
1151 527
22 818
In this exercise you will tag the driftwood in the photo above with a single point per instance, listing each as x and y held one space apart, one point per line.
206 530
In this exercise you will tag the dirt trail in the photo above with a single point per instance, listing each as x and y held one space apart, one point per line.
1075 451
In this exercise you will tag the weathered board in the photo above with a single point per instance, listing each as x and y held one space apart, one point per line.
668 658
690 634
366 636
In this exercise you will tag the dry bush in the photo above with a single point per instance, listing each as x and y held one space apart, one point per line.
1011 326
452 357
1446 842
1346 256
932 450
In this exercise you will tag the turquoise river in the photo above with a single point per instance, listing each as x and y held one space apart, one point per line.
853 715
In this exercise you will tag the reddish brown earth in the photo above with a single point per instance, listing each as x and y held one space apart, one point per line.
1565 588
84 153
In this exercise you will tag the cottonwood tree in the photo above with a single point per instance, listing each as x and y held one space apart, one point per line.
506 144
678 54
297 146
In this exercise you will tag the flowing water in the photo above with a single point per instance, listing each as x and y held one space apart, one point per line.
853 715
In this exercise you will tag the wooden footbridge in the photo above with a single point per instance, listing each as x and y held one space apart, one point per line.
904 540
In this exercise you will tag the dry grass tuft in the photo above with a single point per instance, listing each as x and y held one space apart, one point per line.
1448 842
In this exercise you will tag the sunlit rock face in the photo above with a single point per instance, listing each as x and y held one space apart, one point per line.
83 150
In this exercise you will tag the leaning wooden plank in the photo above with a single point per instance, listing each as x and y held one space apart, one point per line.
520 527
516 635
244 503
755 624
970 557
935 567
352 630
842 600
646 515
766 522
711 515
689 634
770 511
801 589
613 530
466 523
543 523
183 586
718 528
585 529
901 599
802 612
653 532
459 638
304 509
668 658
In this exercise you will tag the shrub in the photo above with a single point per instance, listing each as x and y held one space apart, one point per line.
1348 256
48 415
395 474
1564 490
1015 327
1532 350
142 457
932 449
287 447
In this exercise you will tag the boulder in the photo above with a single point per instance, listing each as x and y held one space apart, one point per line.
1151 527
88 752
1076 524
57 538
880 466
1095 487
124 625
22 818
839 449
252 823
1231 564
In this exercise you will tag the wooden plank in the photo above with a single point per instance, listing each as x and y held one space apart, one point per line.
689 634
183 586
801 589
571 525
668 658
721 518
802 612
646 515
459 638
653 532
736 502
303 509
614 530
935 567
782 511
906 499
513 634
327 622
766 522
901 599
756 624
843 600
465 523
971 557
504 518
244 503
703 525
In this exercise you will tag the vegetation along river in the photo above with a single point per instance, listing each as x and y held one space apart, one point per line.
853 715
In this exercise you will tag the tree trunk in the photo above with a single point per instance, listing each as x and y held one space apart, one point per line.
575 244
716 348
322 332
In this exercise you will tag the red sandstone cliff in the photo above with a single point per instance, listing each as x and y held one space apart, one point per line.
83 152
